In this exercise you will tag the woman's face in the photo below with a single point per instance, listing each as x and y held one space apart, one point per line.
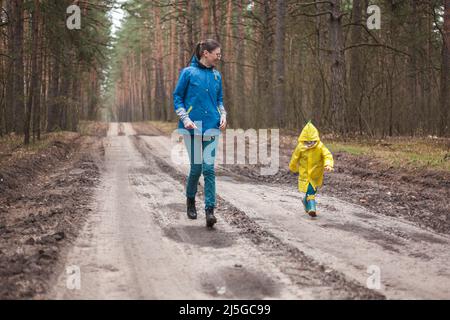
212 58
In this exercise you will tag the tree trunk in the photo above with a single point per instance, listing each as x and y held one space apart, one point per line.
33 90
39 79
75 94
9 85
53 107
45 76
216 12
239 99
279 84
228 70
92 105
2 86
181 26
19 107
264 69
65 104
204 31
190 23
355 70
319 94
337 68
413 70
160 91
445 71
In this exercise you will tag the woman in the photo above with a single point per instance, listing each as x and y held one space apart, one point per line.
198 102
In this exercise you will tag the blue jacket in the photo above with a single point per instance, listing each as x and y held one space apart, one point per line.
199 92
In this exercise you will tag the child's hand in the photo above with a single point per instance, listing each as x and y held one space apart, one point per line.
329 168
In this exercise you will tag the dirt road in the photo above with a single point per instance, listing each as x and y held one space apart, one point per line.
138 243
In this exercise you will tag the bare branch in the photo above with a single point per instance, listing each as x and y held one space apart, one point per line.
313 15
376 45
314 3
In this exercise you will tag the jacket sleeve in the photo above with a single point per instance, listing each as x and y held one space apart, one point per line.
327 156
222 111
220 93
293 164
180 90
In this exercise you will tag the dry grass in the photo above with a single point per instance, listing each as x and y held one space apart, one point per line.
399 152
13 149
93 128
403 152
166 127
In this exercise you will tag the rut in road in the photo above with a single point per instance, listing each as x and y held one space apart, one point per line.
138 244
411 262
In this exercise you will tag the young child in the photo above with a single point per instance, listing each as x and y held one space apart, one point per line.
309 159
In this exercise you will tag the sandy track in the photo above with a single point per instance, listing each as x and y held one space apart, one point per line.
138 244
413 263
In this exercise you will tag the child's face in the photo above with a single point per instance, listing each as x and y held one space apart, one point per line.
309 144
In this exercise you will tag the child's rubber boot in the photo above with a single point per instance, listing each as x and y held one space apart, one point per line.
311 206
305 204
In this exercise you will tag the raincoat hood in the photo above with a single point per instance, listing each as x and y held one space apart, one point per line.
309 133
310 162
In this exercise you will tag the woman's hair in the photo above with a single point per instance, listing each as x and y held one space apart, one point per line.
208 44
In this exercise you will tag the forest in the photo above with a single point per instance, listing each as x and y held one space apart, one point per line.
342 105
373 68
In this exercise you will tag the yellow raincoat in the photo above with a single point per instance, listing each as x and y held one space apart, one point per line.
310 162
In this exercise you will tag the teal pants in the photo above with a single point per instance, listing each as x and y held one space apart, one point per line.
309 201
202 154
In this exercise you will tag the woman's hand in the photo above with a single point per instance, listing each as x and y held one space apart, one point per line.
189 125
223 123
329 168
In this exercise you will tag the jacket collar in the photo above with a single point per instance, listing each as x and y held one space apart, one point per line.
196 63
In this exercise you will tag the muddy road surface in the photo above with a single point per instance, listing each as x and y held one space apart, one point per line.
45 199
137 243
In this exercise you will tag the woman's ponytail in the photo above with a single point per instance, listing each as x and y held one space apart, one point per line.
208 44
199 49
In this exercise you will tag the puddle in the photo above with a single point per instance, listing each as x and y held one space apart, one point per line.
231 282
200 236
